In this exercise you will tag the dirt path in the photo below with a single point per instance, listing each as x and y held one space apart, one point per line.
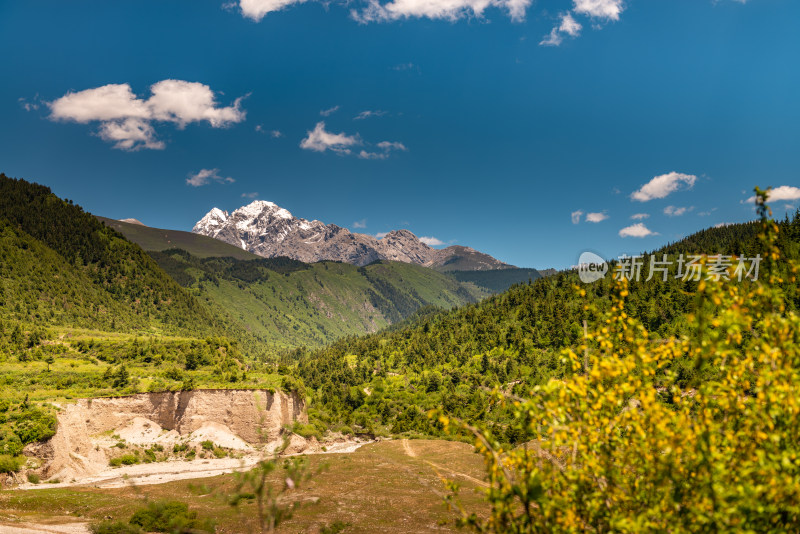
408 449
162 472
440 468
34 528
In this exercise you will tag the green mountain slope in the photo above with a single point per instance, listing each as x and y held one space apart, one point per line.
287 303
512 340
158 239
61 266
497 280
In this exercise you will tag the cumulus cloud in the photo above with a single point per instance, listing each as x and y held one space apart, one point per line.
437 9
360 224
640 216
381 235
367 114
673 211
254 194
661 186
127 120
568 27
431 241
330 111
782 193
596 217
130 134
320 140
599 9
576 216
258 9
206 176
636 230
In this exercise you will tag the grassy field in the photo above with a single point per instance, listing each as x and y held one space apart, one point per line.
393 487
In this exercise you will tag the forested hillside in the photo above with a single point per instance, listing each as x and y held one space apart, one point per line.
61 266
286 303
512 340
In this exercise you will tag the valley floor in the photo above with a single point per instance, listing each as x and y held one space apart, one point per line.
388 486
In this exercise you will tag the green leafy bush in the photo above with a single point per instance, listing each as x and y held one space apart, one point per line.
11 464
305 430
171 516
10 443
114 527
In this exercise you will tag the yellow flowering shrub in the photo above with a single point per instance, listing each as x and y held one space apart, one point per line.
619 447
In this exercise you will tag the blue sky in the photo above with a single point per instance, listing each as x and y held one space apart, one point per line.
505 125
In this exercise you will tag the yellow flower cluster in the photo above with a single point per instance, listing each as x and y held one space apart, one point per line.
621 446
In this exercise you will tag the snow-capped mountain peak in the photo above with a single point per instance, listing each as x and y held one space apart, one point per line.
213 219
260 208
266 229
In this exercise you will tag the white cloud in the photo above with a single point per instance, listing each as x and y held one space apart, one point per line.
576 216
600 9
392 145
437 9
372 155
640 216
320 140
272 133
431 241
330 111
673 211
257 9
568 26
126 120
596 217
250 195
723 224
184 102
636 230
386 148
360 224
777 194
130 134
367 114
661 186
381 235
29 106
206 176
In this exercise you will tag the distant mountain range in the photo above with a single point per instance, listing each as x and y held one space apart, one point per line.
268 230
